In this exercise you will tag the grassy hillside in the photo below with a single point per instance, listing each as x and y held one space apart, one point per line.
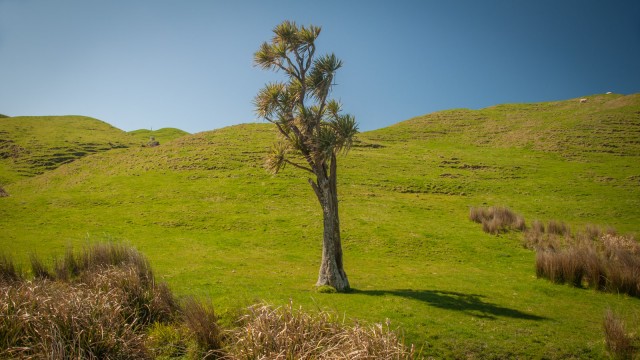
603 124
161 135
214 224
31 145
549 160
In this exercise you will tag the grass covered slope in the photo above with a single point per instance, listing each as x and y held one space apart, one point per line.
161 135
214 224
565 160
607 124
31 145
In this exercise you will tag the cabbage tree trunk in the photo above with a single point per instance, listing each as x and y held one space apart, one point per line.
331 267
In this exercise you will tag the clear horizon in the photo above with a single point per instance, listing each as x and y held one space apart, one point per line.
188 65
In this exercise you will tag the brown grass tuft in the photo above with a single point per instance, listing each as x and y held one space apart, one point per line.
202 322
478 214
497 219
591 232
8 271
287 333
618 342
51 319
38 269
68 267
558 228
611 263
538 227
88 312
115 254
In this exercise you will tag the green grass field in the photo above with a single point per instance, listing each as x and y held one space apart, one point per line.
214 224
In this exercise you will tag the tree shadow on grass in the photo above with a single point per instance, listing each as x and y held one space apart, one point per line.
471 304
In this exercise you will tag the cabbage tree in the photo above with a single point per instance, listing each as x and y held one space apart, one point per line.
313 130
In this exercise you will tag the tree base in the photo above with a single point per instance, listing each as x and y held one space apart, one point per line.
339 282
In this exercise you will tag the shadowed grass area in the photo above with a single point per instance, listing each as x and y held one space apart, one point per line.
471 304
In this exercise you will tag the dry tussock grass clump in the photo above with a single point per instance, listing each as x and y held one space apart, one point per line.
497 219
608 263
558 228
100 255
9 273
537 238
553 236
614 243
38 268
202 322
56 320
617 340
146 301
104 303
595 258
286 333
93 310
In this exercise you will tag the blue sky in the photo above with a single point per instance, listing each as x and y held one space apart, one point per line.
189 64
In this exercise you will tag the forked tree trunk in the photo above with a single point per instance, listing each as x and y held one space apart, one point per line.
331 268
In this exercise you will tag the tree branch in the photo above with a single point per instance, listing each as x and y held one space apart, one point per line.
292 70
304 151
299 166
302 78
284 133
311 51
316 189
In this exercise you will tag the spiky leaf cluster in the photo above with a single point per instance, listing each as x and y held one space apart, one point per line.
312 125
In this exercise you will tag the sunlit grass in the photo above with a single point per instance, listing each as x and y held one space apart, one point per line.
215 225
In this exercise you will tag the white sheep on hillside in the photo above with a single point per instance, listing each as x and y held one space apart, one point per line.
583 100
